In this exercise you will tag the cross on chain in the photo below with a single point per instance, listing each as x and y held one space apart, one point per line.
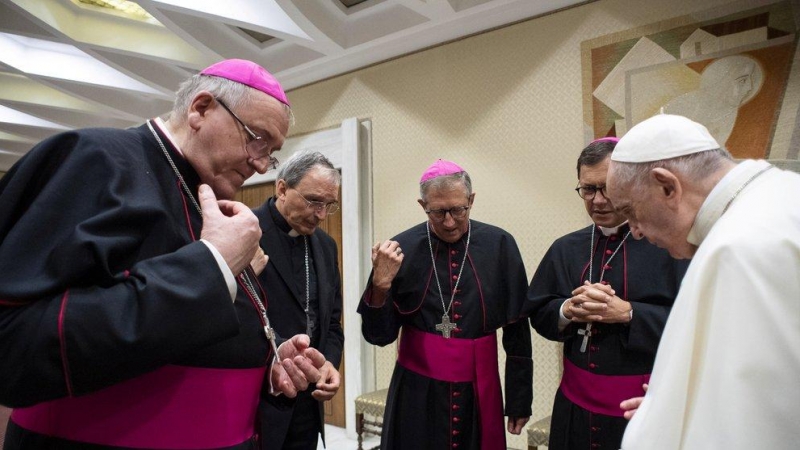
446 326
586 333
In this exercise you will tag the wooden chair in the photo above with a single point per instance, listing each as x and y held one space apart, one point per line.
372 405
539 433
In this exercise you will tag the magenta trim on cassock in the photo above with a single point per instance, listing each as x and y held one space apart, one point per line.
459 361
174 407
600 394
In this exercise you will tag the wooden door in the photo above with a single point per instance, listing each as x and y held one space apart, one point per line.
254 196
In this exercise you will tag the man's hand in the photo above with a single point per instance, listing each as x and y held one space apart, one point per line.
597 303
631 405
328 384
298 365
230 227
259 261
515 424
387 256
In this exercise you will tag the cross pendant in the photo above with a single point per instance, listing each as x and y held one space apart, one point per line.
586 333
271 337
446 326
309 326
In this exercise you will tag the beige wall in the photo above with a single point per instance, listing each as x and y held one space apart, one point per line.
507 106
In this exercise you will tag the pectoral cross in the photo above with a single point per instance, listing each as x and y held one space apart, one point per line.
271 337
446 326
309 326
586 333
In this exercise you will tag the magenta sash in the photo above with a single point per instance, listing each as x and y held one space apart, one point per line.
600 394
458 361
173 407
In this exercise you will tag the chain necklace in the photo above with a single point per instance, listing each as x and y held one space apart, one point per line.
741 188
446 326
309 322
587 332
244 277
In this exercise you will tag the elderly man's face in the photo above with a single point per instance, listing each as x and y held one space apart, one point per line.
649 217
450 198
219 152
304 206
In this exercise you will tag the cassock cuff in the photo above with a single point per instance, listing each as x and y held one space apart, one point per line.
223 267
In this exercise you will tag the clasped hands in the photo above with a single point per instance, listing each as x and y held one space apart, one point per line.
596 302
298 366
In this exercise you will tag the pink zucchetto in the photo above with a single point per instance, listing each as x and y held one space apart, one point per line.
249 74
606 139
663 136
440 168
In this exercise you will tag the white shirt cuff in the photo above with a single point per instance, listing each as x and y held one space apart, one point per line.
562 319
223 267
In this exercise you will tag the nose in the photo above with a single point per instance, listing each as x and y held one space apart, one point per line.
636 232
261 165
321 213
599 197
448 219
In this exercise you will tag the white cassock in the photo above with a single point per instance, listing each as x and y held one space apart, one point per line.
727 371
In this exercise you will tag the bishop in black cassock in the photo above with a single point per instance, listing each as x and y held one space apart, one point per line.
119 326
610 341
445 390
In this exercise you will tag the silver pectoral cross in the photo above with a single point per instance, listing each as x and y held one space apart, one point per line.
586 333
446 326
271 337
309 326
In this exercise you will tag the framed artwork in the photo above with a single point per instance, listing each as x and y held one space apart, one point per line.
730 69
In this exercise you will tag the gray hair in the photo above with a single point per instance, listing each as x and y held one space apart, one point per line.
299 164
446 181
234 94
696 166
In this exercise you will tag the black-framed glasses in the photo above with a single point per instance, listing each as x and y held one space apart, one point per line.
329 208
588 192
256 147
456 212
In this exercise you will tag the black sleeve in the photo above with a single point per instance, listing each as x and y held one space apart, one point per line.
549 289
84 303
379 326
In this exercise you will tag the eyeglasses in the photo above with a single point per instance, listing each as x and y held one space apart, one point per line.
257 147
329 208
457 212
588 192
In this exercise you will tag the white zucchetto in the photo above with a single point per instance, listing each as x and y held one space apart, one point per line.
663 136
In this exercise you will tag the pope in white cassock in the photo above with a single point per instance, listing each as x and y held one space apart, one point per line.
727 371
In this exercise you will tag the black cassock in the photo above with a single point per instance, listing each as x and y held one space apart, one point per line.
105 282
640 273
424 413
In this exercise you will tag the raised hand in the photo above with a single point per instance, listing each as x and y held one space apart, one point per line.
230 227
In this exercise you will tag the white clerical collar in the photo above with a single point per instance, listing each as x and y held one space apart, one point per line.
163 127
612 230
293 233
720 197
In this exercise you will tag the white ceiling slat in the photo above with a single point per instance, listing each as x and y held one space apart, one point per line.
135 65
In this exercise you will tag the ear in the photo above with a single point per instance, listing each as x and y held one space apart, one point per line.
422 203
471 198
201 104
668 184
281 188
